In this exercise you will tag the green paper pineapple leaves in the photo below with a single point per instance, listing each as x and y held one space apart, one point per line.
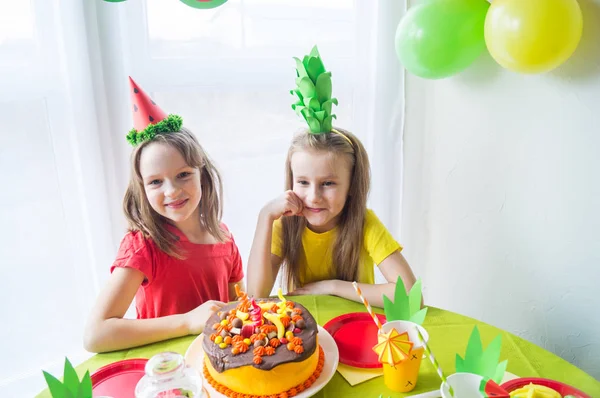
406 307
313 92
480 361
71 387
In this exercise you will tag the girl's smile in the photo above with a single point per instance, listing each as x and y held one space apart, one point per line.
177 204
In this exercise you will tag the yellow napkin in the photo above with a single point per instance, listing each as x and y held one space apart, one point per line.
356 376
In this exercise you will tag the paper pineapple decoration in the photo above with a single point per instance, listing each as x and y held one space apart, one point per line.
393 347
313 92
482 362
406 307
71 387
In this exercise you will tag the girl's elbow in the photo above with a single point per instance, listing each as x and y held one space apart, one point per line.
92 341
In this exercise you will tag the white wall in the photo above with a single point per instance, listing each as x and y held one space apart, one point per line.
501 194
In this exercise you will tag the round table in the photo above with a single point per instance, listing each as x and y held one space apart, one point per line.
448 335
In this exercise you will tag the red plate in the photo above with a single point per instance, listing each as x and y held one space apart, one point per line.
561 388
355 335
118 379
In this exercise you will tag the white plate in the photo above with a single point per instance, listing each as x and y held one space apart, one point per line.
194 357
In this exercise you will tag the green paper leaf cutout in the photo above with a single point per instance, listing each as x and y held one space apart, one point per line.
300 68
480 361
85 388
296 93
305 61
500 370
326 106
299 109
419 317
71 387
400 296
474 351
314 52
313 104
296 106
314 67
393 312
327 123
320 115
491 356
414 298
306 87
459 363
404 308
313 125
323 86
54 385
307 113
71 380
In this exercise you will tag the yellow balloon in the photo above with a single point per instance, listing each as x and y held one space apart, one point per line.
532 36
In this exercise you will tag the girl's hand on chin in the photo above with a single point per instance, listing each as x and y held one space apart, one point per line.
286 204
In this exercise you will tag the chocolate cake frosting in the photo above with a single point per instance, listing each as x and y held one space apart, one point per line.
223 359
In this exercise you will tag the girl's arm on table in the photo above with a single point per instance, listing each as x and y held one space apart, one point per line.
391 267
262 264
106 330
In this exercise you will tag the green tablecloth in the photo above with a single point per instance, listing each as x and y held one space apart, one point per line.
448 335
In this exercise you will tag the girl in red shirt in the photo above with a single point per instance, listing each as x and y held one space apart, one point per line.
178 260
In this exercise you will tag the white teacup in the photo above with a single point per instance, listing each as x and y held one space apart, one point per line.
410 327
465 385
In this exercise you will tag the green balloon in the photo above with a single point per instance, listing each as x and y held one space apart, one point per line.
203 4
439 38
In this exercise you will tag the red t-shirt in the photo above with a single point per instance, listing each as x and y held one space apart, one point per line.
174 286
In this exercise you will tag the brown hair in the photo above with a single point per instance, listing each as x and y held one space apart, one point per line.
142 217
349 240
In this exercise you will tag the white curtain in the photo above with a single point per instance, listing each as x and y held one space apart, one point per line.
53 207
227 71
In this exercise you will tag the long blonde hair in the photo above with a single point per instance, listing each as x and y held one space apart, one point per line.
349 240
140 214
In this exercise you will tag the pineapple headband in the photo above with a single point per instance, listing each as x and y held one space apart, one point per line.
313 92
148 119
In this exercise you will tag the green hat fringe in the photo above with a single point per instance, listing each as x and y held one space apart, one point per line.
170 124
313 92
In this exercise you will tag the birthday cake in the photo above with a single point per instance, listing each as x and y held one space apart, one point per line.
261 348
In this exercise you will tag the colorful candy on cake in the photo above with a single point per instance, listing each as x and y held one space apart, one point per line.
261 348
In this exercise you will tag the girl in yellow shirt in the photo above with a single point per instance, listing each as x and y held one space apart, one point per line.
320 230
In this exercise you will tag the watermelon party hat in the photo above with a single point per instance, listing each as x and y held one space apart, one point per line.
148 118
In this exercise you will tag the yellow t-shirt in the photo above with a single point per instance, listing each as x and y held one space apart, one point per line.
316 258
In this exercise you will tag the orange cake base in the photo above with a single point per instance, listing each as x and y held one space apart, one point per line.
250 382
